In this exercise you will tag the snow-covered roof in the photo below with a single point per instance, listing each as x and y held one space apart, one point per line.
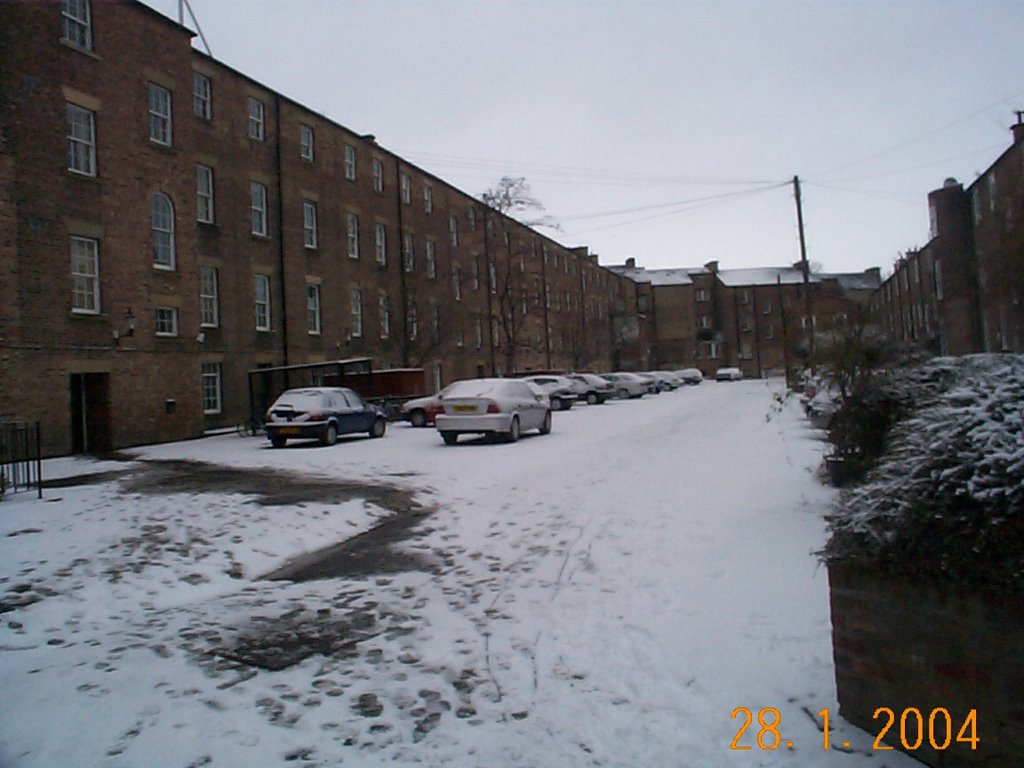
636 274
669 277
763 276
856 281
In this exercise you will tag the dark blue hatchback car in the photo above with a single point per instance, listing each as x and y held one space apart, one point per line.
321 413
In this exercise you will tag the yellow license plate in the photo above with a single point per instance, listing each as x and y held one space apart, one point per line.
288 431
464 409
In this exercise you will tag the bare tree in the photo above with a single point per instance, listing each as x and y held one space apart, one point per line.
512 197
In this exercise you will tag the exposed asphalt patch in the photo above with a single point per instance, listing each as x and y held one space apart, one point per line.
270 487
367 554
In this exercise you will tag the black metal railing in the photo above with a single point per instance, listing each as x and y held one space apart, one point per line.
21 466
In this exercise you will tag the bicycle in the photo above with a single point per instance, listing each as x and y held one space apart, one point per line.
249 428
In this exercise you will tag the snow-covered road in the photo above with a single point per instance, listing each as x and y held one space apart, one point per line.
605 595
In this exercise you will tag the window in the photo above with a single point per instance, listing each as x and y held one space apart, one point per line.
702 294
993 194
357 313
769 332
456 282
211 388
431 260
410 315
471 213
258 196
81 140
307 143
976 203
474 272
313 310
705 321
938 279
353 236
428 199
407 252
162 231
256 121
380 243
710 348
385 315
202 96
378 175
309 224
406 189
453 230
745 323
492 278
435 322
159 115
166 321
350 162
209 310
77 23
766 308
744 296
85 276
261 293
204 194
479 328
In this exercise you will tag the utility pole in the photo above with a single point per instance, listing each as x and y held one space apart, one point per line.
805 268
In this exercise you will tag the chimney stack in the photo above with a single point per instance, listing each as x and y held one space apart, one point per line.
1018 129
631 262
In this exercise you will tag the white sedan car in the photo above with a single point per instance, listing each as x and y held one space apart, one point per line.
560 390
627 384
504 407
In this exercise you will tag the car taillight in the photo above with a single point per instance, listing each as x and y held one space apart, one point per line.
316 416
492 407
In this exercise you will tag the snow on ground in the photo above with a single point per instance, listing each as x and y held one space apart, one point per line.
605 595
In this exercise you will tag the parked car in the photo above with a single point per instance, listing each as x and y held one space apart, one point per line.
321 413
691 376
667 381
422 411
593 389
504 407
561 392
728 374
653 387
627 384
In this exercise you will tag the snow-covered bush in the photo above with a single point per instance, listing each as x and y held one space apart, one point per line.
946 499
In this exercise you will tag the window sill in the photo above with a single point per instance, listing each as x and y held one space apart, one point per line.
79 49
168 148
82 314
258 236
92 177
208 224
163 268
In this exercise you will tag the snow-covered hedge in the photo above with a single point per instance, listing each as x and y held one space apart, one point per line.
946 500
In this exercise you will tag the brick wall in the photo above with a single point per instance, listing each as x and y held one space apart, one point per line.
901 645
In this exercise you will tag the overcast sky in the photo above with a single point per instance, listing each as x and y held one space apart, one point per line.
686 119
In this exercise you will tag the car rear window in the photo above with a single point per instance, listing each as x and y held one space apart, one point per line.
300 401
481 388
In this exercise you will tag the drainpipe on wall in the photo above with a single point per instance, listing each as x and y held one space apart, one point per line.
280 228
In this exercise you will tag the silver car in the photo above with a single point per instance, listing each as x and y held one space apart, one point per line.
627 384
594 389
560 390
504 407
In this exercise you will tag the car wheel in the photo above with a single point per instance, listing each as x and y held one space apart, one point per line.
592 398
566 405
418 418
513 430
545 427
378 428
278 442
450 438
556 403
331 435
622 394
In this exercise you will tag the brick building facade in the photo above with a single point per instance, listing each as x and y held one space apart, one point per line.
168 224
962 292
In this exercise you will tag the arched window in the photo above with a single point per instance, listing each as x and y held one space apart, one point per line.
162 230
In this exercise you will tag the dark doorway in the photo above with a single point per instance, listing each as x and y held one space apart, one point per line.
90 413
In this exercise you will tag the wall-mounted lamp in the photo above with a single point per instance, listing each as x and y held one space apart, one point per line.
130 331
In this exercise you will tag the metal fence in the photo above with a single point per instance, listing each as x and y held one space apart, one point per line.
21 466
